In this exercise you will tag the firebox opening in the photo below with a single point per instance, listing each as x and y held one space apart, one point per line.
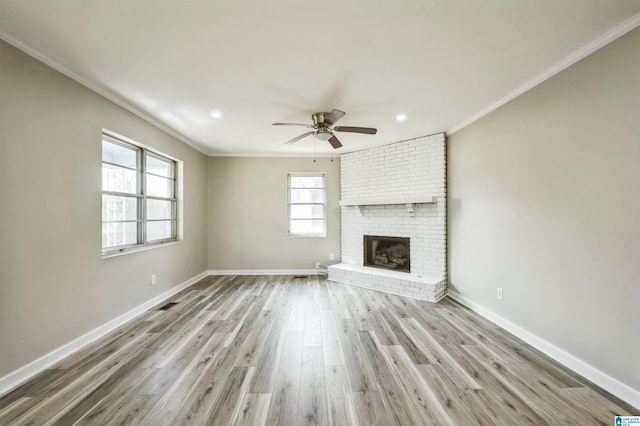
387 253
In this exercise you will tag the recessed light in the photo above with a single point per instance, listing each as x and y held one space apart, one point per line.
216 114
401 117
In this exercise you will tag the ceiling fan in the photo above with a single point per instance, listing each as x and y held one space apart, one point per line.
323 130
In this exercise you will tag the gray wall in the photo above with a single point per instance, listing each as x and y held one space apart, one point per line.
54 284
545 202
248 214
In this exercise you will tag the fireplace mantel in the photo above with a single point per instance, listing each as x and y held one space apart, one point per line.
425 199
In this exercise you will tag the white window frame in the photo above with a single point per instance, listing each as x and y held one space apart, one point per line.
142 196
323 204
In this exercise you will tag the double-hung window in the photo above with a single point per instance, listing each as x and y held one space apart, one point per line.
138 196
307 205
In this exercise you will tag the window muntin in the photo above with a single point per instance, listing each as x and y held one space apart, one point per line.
138 196
306 209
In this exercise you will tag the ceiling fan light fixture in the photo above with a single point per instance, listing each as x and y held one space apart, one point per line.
323 128
323 135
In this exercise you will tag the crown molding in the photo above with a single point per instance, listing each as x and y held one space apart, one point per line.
275 155
576 56
98 88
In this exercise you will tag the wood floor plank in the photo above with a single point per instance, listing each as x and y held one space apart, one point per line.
274 292
371 410
405 339
267 362
341 407
359 311
338 303
33 387
455 373
426 406
198 405
118 403
61 403
16 409
478 337
523 352
253 410
596 407
332 351
312 402
95 352
391 392
170 402
457 404
312 324
323 295
132 410
296 317
552 405
493 380
284 400
362 374
223 411
255 339
263 350
397 394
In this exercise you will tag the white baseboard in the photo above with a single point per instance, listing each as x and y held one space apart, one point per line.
263 272
19 376
608 383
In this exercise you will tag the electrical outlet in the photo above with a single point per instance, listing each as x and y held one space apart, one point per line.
332 257
153 279
317 265
499 293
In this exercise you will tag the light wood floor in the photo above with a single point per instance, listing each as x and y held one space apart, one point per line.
292 351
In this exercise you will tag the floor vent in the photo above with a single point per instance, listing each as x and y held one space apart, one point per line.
167 306
301 276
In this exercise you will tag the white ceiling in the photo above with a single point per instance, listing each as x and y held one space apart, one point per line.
440 62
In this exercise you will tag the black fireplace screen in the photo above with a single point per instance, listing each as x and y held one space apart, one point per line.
387 252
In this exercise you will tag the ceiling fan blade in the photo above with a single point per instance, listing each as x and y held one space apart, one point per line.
335 143
293 124
333 116
365 130
297 138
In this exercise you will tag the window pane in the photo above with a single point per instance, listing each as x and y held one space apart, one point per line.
307 227
119 208
119 234
159 186
160 167
117 179
307 195
160 230
159 209
118 154
307 182
307 211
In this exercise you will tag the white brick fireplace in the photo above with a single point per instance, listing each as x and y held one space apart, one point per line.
396 190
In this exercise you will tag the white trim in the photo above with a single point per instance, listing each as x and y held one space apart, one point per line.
137 249
576 56
424 199
19 376
608 383
263 272
98 88
327 155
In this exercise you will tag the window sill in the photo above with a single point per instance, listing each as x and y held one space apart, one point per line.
117 253
307 235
